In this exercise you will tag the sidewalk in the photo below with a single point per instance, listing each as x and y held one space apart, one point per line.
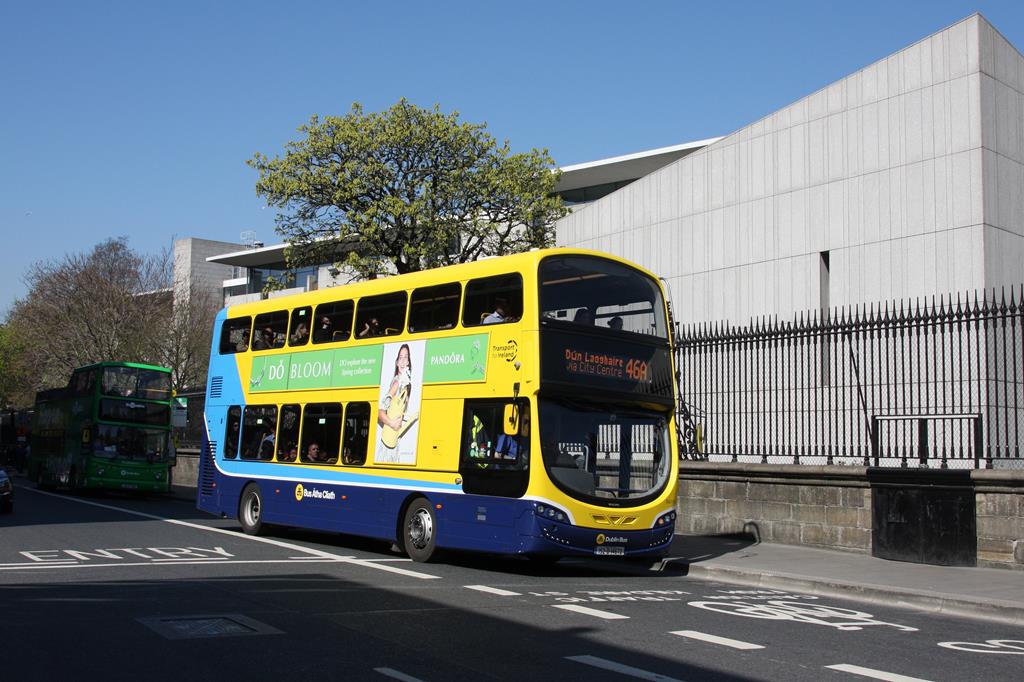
986 593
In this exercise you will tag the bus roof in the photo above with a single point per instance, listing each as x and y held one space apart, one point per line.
111 363
493 265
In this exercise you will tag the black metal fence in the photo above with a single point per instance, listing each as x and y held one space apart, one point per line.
924 383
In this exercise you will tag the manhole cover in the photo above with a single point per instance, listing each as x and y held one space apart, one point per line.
195 627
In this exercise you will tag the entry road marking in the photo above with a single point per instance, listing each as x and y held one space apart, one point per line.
492 590
714 639
620 668
873 674
591 612
241 536
397 675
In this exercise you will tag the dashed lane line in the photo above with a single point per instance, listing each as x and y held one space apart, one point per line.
873 674
607 615
620 668
239 536
493 590
397 675
715 639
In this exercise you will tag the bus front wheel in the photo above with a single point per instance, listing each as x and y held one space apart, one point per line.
419 531
250 510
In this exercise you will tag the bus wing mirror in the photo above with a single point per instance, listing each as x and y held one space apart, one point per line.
510 420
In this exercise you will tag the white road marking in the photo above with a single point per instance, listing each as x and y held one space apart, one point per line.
620 668
241 536
873 674
492 590
397 675
166 562
591 612
714 639
1014 647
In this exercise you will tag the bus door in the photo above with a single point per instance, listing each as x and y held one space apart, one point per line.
495 450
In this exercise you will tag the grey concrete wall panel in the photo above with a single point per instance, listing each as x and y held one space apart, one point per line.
908 172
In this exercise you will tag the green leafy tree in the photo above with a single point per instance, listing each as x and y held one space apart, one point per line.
406 189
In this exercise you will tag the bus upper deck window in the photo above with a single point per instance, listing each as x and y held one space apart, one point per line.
234 335
434 308
382 315
493 300
269 330
332 322
298 331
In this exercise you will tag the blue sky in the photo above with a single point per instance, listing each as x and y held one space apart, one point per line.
136 118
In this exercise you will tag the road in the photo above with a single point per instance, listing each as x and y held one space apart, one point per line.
109 587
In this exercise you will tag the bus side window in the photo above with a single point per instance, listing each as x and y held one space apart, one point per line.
357 433
434 308
259 424
321 433
288 435
298 331
269 330
333 322
231 432
234 335
382 315
493 300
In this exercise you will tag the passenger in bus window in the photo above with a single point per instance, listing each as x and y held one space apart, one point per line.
314 454
300 335
371 328
500 314
615 323
583 316
288 453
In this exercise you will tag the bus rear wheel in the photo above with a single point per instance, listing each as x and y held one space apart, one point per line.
250 510
419 531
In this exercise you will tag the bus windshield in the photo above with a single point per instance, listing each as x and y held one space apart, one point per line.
135 382
594 292
610 455
129 442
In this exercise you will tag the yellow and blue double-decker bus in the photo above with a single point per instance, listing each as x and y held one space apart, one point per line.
517 405
109 428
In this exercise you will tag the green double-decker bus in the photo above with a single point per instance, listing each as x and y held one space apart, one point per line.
109 428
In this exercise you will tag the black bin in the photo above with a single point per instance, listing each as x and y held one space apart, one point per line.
925 516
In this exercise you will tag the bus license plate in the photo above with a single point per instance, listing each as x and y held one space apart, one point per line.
610 550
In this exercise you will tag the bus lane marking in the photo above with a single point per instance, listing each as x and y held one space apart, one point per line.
493 590
873 674
241 536
621 668
25 566
1014 647
575 608
715 639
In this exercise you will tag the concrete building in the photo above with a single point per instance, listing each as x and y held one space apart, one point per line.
903 179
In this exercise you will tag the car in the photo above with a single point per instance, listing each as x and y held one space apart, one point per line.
6 492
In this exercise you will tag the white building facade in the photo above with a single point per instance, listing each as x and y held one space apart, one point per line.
903 180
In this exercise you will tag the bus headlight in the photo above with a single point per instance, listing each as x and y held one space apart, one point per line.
666 519
546 511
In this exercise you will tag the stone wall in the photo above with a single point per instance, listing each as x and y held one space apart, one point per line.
185 473
831 506
798 505
999 506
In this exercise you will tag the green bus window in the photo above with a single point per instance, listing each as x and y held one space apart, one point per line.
302 321
333 322
382 315
288 436
357 433
258 428
321 433
231 432
234 335
269 330
434 308
493 300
